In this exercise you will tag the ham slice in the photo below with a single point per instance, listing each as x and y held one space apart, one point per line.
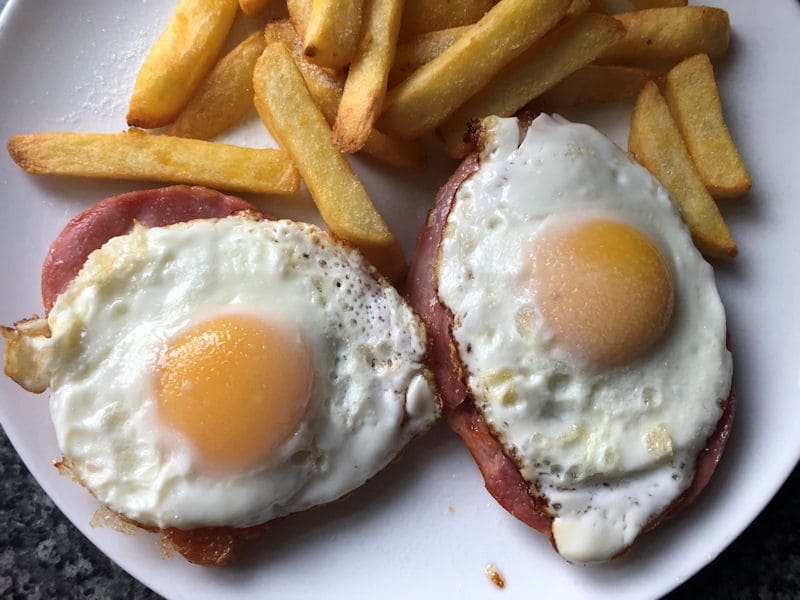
501 475
116 216
93 228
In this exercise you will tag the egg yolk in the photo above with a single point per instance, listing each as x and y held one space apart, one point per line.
237 386
602 286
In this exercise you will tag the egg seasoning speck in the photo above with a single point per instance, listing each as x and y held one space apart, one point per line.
589 326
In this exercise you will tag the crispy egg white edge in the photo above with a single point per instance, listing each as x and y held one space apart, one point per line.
557 166
148 474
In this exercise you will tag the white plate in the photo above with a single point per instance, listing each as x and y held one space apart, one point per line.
425 527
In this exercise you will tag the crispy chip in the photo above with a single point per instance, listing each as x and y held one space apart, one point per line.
417 51
253 8
422 16
578 7
332 33
435 90
299 14
642 4
655 142
409 154
571 46
290 114
691 93
664 36
423 48
324 85
179 60
326 88
138 155
224 96
365 88
596 84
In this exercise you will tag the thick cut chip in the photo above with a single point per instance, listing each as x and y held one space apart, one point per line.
299 14
332 33
575 44
326 88
664 36
179 60
324 85
422 16
290 114
655 142
138 155
434 91
224 96
578 7
691 93
417 51
642 4
365 88
596 84
408 154
423 48
253 8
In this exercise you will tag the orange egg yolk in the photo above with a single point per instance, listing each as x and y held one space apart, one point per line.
237 386
603 288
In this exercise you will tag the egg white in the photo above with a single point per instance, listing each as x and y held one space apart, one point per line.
370 392
609 448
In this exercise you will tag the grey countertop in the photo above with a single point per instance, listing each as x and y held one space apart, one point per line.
42 555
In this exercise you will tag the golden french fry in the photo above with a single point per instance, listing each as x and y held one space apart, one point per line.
253 8
423 48
333 31
596 84
561 52
224 96
324 85
138 155
365 87
299 14
435 90
663 36
289 112
408 154
642 4
655 142
417 51
179 60
326 89
422 16
578 7
691 94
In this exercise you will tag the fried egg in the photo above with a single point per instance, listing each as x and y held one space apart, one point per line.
590 328
225 372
